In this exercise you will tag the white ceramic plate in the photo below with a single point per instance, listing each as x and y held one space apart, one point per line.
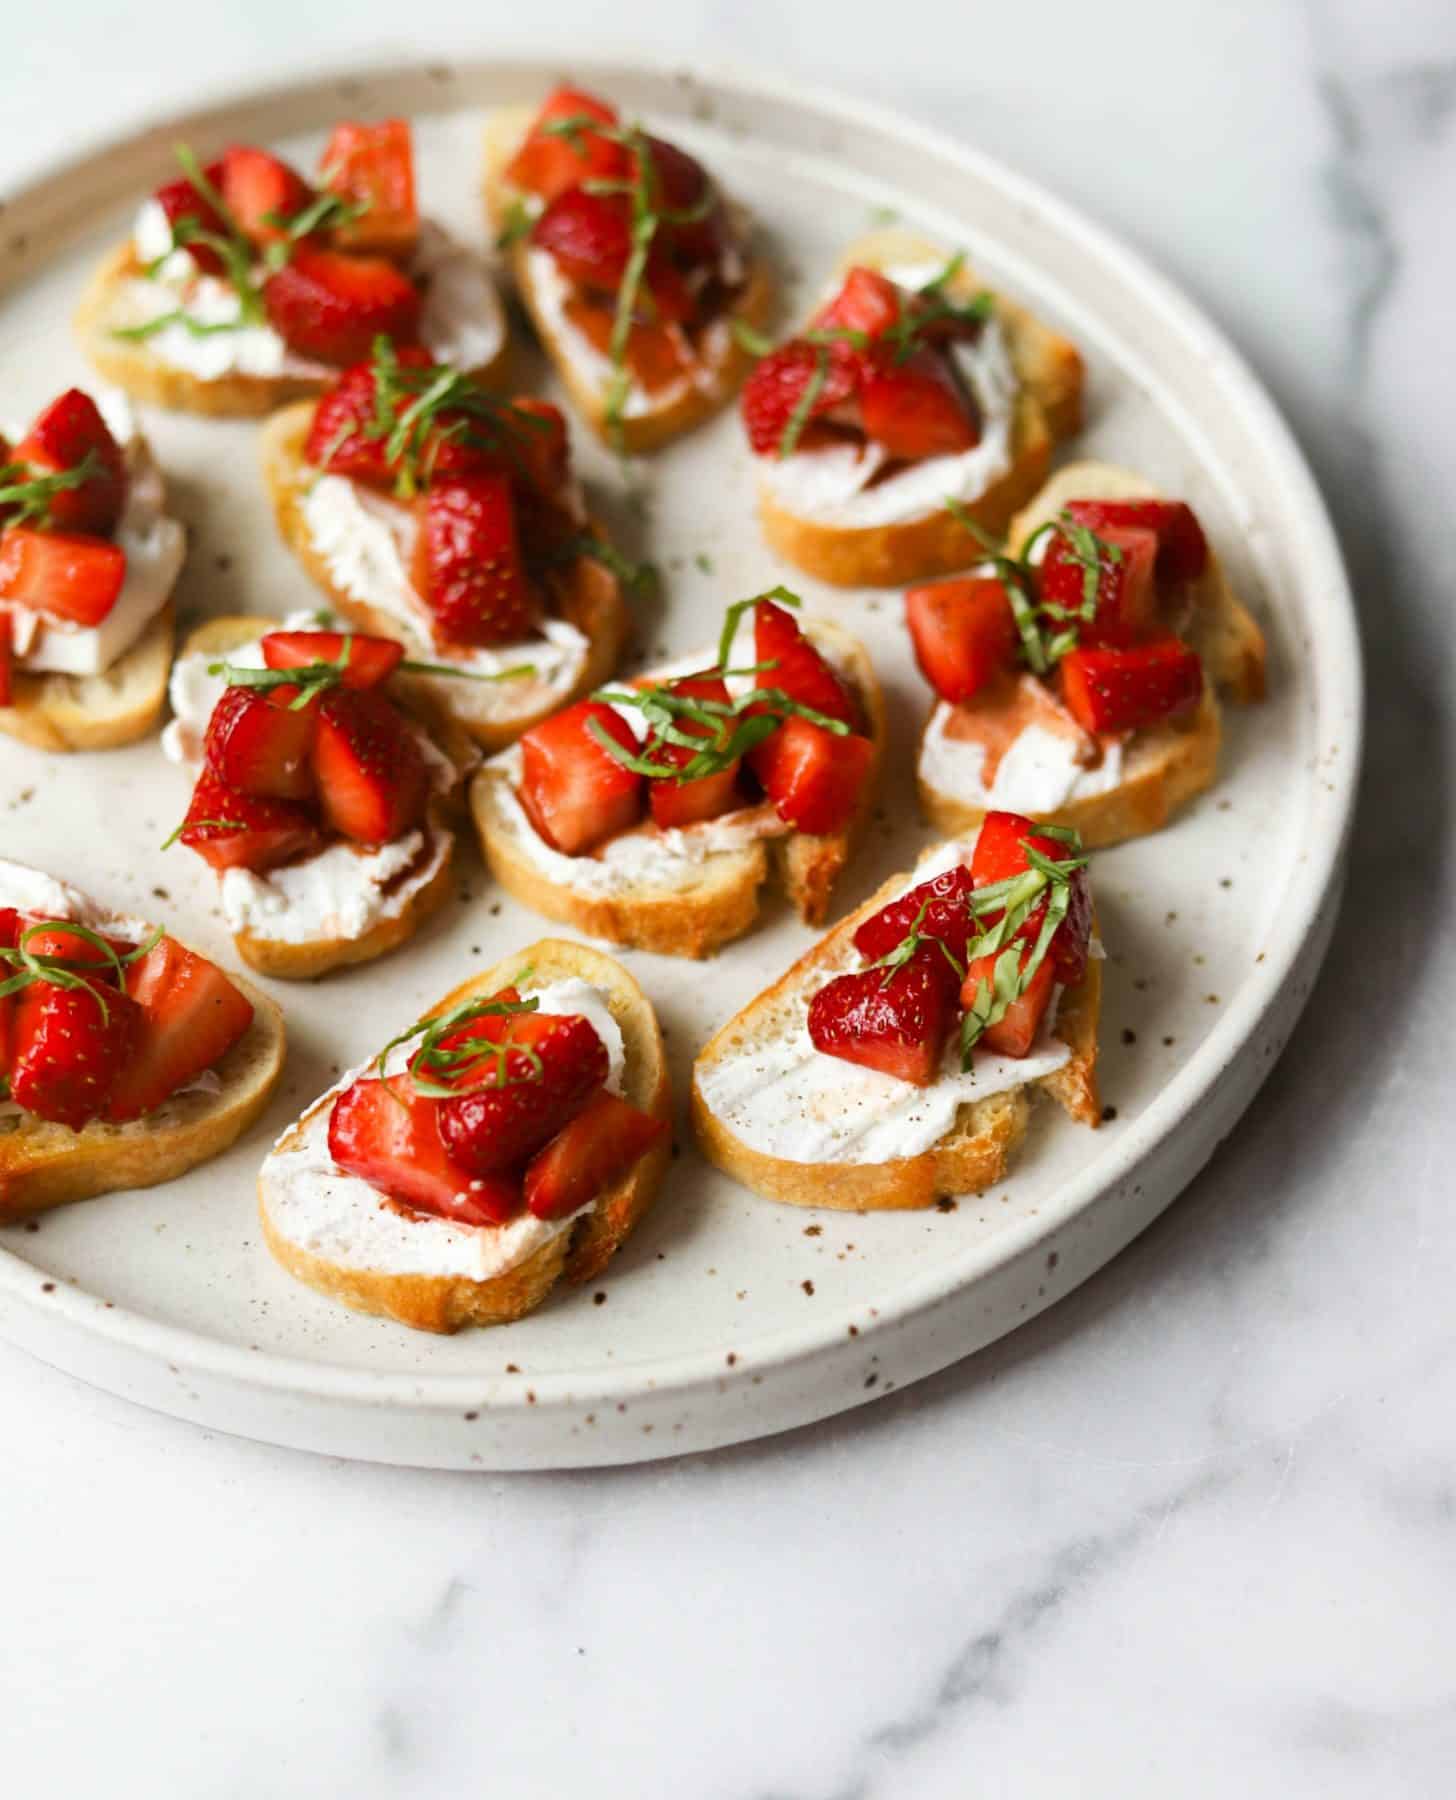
726 1317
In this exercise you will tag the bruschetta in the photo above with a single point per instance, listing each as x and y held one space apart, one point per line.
1077 677
895 1063
638 274
244 285
648 814
911 382
514 1135
125 1058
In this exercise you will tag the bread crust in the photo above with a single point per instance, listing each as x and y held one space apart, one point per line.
96 712
966 1160
444 1303
696 920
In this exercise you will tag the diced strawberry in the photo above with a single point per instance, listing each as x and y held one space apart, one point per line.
1182 547
680 803
189 1016
11 926
260 189
372 660
868 302
70 1045
1126 595
574 790
339 438
917 408
774 394
372 778
373 166
1015 1032
946 916
62 945
600 1145
896 1022
679 183
1000 854
179 200
963 633
468 566
548 164
69 430
1128 689
537 446
388 1135
6 659
798 669
231 830
590 237
812 776
256 742
331 307
64 573
501 1125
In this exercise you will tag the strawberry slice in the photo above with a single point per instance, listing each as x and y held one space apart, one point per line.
1120 690
11 926
372 778
559 1065
180 201
257 743
679 183
946 916
867 302
468 565
70 1045
590 237
1126 597
231 830
796 376
64 573
1015 1032
6 659
373 166
387 1135
917 408
339 437
963 633
70 947
896 1022
371 660
189 1016
1000 854
1182 547
331 307
69 430
678 803
575 792
259 189
548 164
812 776
606 1139
798 669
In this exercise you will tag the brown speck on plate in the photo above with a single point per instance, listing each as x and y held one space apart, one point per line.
1129 1036
731 1358
946 1204
1108 1114
813 1231
808 1286
599 1298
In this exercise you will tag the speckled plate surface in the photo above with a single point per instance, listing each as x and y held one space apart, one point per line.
726 1317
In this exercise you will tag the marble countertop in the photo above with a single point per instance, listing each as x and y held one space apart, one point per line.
1193 1532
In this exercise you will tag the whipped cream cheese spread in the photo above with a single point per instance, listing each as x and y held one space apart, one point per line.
1039 772
462 321
314 1204
155 546
786 1099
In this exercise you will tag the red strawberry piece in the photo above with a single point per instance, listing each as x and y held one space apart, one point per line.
548 164
574 790
679 185
963 633
468 564
372 778
6 659
679 803
946 917
499 1125
798 669
69 430
812 775
189 1016
590 237
373 166
232 830
180 201
388 1135
1182 547
917 408
70 1045
1126 595
774 394
339 438
331 307
61 945
896 1022
65 573
1126 689
602 1143
1015 1032
260 189
258 743
868 302
1000 854
11 926
372 660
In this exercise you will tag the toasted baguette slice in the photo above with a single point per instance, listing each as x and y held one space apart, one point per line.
717 900
1048 409
1166 766
665 420
44 1165
96 712
966 1160
580 1253
586 593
